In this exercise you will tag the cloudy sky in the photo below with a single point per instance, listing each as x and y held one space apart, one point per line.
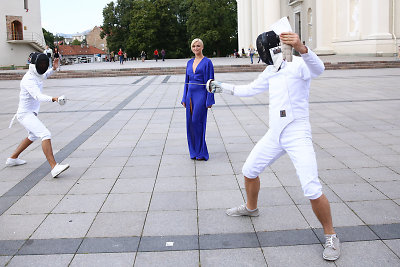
71 16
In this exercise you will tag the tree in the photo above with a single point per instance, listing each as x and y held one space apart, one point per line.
76 42
59 39
159 26
116 21
215 22
48 38
136 25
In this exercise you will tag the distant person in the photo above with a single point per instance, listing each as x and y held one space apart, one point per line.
49 53
163 54
112 56
243 53
156 55
143 56
125 56
121 56
252 51
235 53
57 54
30 97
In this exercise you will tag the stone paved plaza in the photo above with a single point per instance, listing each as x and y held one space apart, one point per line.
133 197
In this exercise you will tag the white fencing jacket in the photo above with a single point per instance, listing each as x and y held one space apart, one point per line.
31 94
288 89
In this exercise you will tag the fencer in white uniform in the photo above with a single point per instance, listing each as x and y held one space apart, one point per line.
28 109
288 84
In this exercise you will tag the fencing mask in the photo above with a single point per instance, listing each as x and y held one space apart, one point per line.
268 47
41 62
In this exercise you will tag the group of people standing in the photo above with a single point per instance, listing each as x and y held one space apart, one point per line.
288 83
122 56
156 54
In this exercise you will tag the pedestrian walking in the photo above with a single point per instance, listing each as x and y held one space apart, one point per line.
121 56
163 54
143 56
156 55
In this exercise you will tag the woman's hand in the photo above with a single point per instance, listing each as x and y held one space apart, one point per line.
291 38
183 104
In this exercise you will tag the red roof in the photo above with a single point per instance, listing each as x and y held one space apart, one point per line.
71 50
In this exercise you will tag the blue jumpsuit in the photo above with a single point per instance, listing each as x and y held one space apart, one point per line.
197 99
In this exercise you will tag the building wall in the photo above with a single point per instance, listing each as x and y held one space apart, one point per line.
93 39
17 53
352 27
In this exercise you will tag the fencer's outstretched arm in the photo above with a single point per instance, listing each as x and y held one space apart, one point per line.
259 85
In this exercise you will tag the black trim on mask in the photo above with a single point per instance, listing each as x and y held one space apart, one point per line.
265 42
41 62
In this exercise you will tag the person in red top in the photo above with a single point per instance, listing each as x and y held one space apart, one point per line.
121 56
156 54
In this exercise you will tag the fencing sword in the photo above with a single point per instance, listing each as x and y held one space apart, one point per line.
197 83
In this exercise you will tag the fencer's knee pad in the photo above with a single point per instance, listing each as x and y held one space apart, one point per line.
312 190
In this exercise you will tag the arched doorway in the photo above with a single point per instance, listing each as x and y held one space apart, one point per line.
16 30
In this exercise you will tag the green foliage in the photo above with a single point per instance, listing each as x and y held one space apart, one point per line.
136 25
212 21
75 42
48 38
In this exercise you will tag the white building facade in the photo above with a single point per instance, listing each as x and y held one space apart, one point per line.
344 27
20 31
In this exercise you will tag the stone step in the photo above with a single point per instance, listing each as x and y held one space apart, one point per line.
181 70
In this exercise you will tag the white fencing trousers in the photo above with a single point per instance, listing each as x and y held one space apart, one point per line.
34 126
295 140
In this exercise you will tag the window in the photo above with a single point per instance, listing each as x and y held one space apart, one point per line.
26 5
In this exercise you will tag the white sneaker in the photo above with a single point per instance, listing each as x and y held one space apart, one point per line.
58 169
242 211
332 248
15 162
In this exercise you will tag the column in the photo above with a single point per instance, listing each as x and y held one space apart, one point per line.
254 22
323 16
260 19
380 22
248 24
272 13
240 15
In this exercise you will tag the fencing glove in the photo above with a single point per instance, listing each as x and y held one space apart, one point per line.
62 100
218 87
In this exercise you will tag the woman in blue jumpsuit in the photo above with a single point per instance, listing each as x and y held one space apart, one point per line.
196 99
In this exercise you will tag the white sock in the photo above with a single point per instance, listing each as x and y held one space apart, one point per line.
334 235
250 209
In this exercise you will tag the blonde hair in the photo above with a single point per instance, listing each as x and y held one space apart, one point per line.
197 40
